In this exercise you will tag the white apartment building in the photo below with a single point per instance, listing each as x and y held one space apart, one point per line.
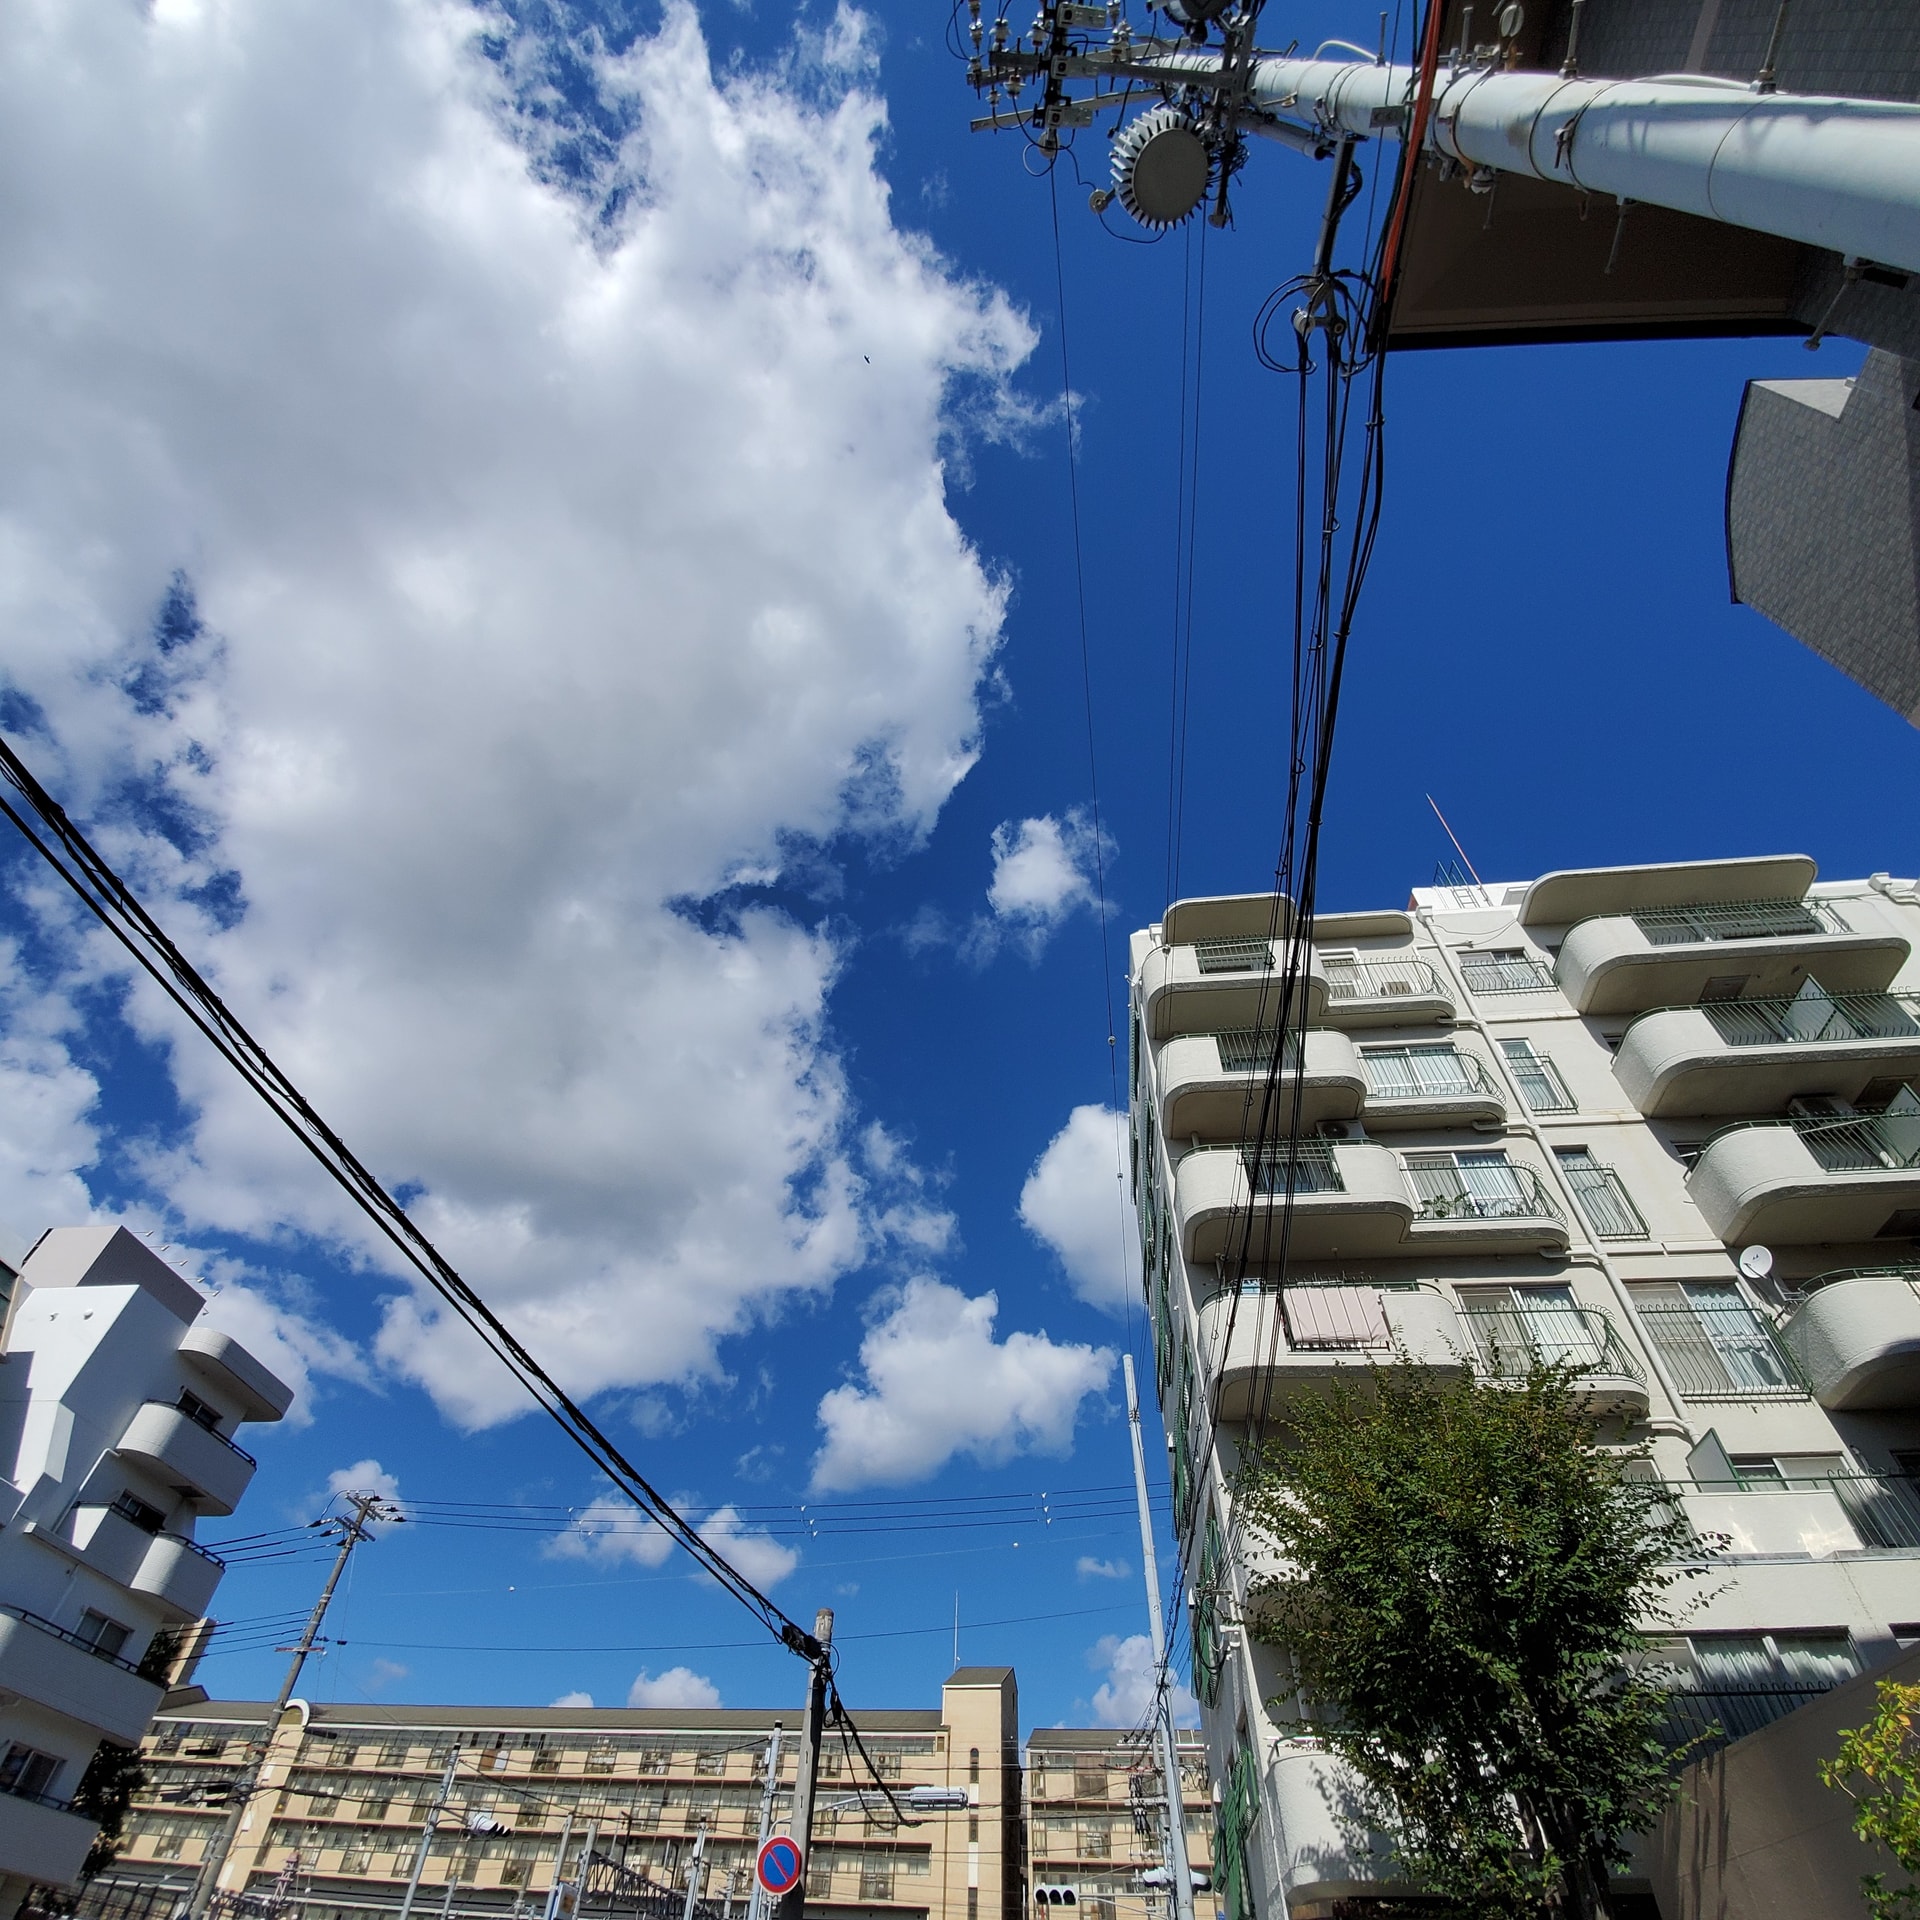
1551 1118
117 1410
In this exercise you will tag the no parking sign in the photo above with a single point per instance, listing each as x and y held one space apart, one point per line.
780 1863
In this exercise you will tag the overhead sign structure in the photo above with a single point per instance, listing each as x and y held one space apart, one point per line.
780 1864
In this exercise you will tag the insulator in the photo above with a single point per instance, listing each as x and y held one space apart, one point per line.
1161 168
975 73
1000 35
975 29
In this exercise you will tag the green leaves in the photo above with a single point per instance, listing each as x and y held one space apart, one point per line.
1885 1754
1468 1575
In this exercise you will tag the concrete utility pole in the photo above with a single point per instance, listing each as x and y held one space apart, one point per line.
693 1872
792 1903
426 1832
352 1529
1179 1873
756 1899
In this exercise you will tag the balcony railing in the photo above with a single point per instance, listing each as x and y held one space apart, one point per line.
1850 1143
193 1546
1713 1717
1312 1163
1604 1200
1725 1351
1250 1050
1426 1076
71 1638
1801 1288
1487 973
1511 1340
1737 920
1515 1194
1883 1508
212 1433
1810 1019
1233 956
1383 980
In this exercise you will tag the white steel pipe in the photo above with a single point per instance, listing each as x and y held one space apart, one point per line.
1833 173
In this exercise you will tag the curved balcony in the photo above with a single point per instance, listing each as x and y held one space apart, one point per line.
1743 1056
1505 1210
53 1668
1453 1089
1327 1330
1801 1182
1671 956
42 1839
1349 1198
1511 1340
1856 1336
1211 1083
178 1576
1222 985
203 1465
1386 992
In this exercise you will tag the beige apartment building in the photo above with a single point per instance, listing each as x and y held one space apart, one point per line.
1661 1121
610 1806
1095 1804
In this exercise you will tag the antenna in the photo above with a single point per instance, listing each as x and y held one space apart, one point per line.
1458 848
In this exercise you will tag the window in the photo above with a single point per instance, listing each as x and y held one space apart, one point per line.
709 1760
1504 970
600 1757
1428 1069
1482 1184
1089 1780
375 1806
143 1513
973 1765
876 1876
1097 1840
26 1771
1513 1325
1603 1200
394 1752
1234 956
199 1411
101 1634
1540 1084
1713 1343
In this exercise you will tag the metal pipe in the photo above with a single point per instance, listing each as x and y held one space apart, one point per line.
1834 173
426 1832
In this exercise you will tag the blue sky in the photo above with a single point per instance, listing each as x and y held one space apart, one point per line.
566 465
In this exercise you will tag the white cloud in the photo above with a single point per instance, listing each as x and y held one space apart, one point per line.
1125 1697
553 571
291 1345
1088 1568
383 1673
613 1532
1043 870
46 1102
364 1476
936 1383
760 1557
575 1699
677 1687
1075 1199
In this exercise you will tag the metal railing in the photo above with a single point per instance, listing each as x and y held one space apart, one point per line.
52 1800
212 1433
70 1637
193 1546
1604 1201
1848 1143
1736 920
1883 1508
1383 980
1802 1288
1810 1019
1233 956
1487 973
1427 1076
1441 1194
1250 1050
1727 1352
1511 1340
1714 1716
1307 1166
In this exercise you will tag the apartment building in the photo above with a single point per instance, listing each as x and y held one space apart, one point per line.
1661 1121
618 1809
117 1414
1095 1808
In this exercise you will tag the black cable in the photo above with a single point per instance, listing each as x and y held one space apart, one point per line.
113 904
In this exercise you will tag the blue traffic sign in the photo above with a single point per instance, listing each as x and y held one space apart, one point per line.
779 1865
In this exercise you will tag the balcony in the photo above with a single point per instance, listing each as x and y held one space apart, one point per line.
1211 1084
1349 1198
1676 955
1430 1087
1804 1181
48 1665
1328 1330
42 1839
1385 992
178 1575
1813 1518
1492 1207
1746 1056
204 1466
1218 986
1510 1341
1856 1337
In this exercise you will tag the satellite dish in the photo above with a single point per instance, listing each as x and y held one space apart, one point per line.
1756 1262
1161 168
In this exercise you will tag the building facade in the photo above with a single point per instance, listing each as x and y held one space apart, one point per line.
1658 1121
608 1805
1095 1804
117 1410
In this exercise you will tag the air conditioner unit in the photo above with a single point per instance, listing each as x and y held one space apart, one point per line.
1335 1130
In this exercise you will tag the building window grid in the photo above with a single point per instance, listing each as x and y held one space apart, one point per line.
1541 1086
1603 1198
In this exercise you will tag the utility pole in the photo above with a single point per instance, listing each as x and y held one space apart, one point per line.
756 1899
1179 1873
792 1903
426 1832
352 1529
693 1872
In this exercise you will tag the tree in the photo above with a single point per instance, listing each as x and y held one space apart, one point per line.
113 1776
1885 1753
1468 1573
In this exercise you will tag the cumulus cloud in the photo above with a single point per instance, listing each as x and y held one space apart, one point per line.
292 1345
47 1133
1125 1697
576 1699
427 575
1089 1568
364 1476
1075 1199
935 1383
1043 870
613 1532
677 1687
383 1673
